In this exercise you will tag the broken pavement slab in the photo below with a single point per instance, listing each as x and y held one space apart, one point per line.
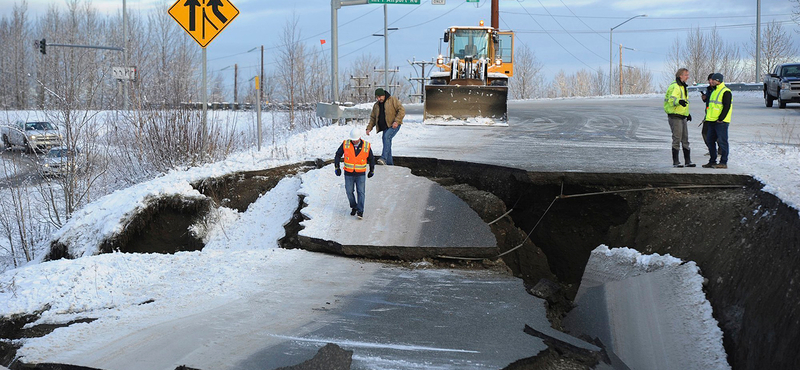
406 217
648 310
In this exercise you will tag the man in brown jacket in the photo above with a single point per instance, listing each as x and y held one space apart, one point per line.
387 114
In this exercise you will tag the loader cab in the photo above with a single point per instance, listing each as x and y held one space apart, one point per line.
469 42
474 43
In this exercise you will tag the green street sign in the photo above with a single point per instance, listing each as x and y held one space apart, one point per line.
412 2
473 1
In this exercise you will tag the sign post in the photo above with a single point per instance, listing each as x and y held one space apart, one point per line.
335 5
203 22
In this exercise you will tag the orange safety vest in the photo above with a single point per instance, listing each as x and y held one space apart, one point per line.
352 162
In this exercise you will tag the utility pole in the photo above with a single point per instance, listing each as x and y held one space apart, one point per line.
385 47
236 85
620 69
421 63
385 35
205 103
758 41
261 99
124 53
386 74
358 86
495 15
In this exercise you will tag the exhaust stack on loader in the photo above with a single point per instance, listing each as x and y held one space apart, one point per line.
472 81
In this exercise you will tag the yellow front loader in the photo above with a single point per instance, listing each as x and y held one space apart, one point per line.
472 80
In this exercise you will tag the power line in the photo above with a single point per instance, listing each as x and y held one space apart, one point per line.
728 26
602 34
649 17
584 23
436 18
305 39
570 35
554 39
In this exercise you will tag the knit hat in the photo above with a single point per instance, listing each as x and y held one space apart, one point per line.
717 77
380 92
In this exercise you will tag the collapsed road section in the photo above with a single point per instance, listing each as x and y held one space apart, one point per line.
409 217
744 240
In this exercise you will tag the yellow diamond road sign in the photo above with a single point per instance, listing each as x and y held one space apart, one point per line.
203 19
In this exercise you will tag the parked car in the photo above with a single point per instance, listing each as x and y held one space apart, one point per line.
33 136
782 84
59 161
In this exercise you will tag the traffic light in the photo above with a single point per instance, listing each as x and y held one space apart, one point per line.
43 46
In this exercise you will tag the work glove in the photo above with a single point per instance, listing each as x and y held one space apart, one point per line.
370 174
338 172
689 118
682 102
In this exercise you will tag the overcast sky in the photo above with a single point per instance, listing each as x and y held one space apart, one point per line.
564 34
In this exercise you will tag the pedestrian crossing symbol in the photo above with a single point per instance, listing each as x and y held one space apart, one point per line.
203 19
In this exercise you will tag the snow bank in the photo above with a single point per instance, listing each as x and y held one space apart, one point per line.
261 226
606 265
776 166
117 281
90 226
650 310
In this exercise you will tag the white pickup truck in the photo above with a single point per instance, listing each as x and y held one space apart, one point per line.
33 136
782 84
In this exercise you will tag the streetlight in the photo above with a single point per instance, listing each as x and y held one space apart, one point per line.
610 49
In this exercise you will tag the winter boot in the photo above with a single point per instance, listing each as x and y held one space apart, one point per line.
688 158
675 161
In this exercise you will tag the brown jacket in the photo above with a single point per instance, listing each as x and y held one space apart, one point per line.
394 113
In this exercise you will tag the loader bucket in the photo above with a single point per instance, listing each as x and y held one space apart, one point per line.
461 102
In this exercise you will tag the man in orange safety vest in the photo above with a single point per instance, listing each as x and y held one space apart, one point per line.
357 154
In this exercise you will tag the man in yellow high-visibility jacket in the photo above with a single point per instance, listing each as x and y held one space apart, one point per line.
676 105
357 155
718 116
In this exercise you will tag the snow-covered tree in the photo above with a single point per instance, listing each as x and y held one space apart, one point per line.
527 81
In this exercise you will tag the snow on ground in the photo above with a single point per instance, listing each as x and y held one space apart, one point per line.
447 120
777 166
248 229
122 280
151 304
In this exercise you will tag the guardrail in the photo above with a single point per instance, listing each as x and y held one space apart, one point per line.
735 86
336 111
